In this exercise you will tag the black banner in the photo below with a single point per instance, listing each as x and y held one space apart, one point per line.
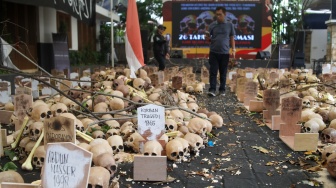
61 52
84 10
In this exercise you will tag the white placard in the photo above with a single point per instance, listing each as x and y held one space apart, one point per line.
151 118
326 68
85 78
333 69
74 75
66 165
231 73
249 75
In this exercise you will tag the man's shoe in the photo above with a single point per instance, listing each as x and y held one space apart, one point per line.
211 94
222 93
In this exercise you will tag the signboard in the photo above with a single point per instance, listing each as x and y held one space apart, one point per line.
59 129
84 10
61 52
5 92
285 56
151 121
66 165
194 19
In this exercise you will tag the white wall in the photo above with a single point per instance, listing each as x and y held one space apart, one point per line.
74 33
47 24
318 47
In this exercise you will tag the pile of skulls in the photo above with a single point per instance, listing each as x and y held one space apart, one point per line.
105 109
318 106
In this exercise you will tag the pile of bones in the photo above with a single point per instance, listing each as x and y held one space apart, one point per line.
109 131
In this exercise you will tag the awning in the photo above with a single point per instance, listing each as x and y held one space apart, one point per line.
84 10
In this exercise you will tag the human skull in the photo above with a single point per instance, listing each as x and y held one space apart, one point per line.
189 89
112 132
133 141
98 134
21 149
138 83
331 165
26 128
116 103
75 93
216 120
107 161
58 108
204 20
198 126
99 149
152 148
116 143
328 135
79 125
117 82
311 126
327 151
246 24
113 124
137 99
99 177
101 107
35 130
199 88
188 24
29 146
232 18
126 131
177 115
185 145
193 106
110 78
170 125
101 75
195 141
39 156
305 103
174 150
84 145
107 84
41 112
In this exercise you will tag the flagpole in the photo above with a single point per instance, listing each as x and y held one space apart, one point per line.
112 35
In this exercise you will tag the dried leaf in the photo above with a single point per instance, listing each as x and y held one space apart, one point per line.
261 149
315 168
225 154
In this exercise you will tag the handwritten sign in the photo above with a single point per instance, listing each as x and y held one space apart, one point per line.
251 89
271 99
5 92
249 75
22 103
151 121
291 108
23 90
66 165
59 129
177 82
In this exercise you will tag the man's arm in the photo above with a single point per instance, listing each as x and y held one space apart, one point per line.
233 46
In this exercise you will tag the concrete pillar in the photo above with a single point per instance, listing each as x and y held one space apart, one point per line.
331 41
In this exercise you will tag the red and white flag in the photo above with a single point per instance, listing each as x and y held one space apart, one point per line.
133 44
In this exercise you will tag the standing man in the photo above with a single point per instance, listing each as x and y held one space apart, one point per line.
221 35
160 47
